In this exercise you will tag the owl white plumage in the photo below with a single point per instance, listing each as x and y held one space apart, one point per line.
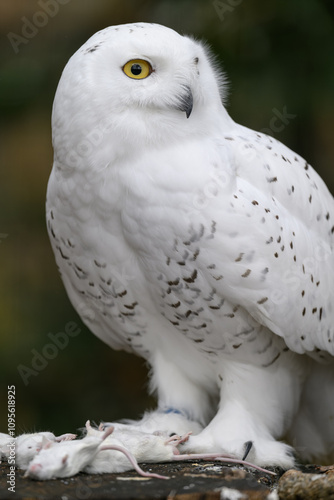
196 243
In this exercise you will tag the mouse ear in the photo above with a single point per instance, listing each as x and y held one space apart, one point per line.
108 431
46 443
64 459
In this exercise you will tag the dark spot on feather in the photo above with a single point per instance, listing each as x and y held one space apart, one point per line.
272 361
92 49
246 273
262 301
192 278
65 257
203 325
304 311
195 255
98 264
132 306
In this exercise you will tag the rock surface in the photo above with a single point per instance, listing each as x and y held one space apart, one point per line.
188 481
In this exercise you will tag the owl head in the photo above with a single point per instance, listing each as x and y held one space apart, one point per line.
137 85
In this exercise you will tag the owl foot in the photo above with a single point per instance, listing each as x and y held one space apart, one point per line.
261 452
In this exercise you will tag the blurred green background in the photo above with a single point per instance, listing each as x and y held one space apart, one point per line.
277 54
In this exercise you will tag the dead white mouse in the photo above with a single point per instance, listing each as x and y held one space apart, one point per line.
133 444
145 446
65 459
28 445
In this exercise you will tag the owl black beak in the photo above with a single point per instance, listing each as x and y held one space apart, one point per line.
186 101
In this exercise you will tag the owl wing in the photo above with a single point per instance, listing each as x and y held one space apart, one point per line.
278 231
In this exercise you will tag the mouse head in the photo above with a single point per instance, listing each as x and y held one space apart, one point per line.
27 446
51 461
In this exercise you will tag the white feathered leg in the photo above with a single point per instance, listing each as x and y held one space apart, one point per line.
183 404
257 405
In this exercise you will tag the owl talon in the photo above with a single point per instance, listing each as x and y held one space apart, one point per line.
248 446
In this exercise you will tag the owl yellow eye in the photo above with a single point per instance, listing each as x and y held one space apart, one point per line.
137 68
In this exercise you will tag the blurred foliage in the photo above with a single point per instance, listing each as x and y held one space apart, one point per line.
276 54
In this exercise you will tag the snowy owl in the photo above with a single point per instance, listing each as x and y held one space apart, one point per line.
200 245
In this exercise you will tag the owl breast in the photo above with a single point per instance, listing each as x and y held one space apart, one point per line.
186 277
